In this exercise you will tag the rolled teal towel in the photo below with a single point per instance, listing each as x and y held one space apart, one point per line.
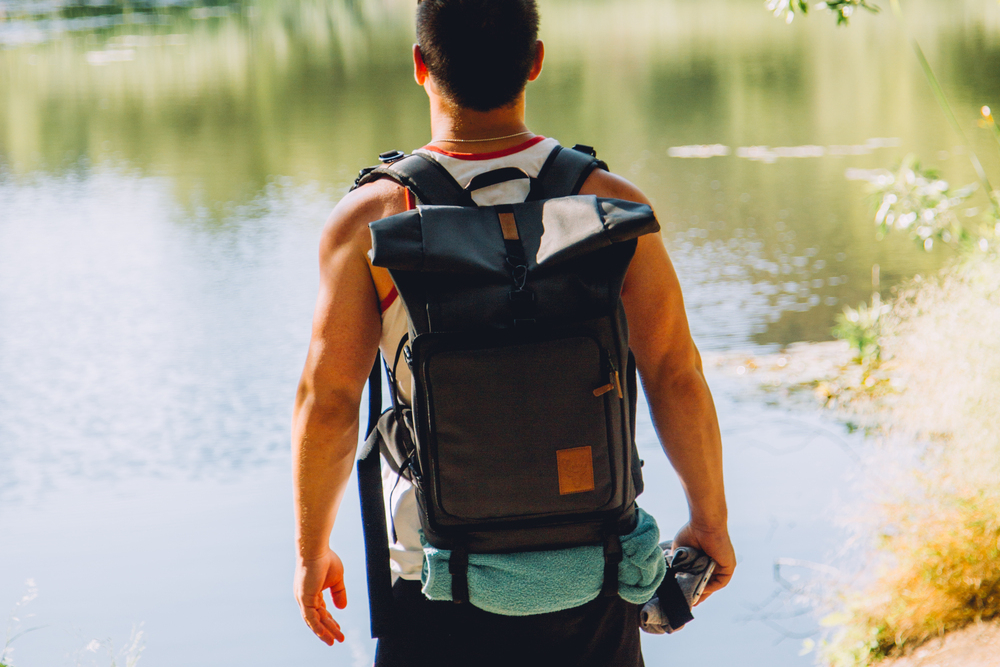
538 582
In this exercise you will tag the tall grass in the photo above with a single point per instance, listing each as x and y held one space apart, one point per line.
127 656
936 535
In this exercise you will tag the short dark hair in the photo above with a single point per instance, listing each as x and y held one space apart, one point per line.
479 51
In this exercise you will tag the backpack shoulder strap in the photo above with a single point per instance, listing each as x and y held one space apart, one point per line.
565 171
381 604
429 182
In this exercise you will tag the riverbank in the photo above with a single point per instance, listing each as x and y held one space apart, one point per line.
977 645
926 521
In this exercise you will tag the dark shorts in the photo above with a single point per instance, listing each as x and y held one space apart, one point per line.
601 633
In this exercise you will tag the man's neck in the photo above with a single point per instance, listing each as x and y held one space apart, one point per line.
503 127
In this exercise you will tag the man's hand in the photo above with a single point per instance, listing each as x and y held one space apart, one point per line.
716 544
312 577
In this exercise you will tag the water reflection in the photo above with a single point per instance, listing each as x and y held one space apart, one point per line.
162 181
155 168
133 345
164 171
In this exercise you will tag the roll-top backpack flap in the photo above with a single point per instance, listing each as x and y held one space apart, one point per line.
397 241
624 220
577 251
575 226
469 240
448 239
447 264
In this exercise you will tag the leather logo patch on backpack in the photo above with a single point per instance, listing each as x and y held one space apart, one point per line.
576 470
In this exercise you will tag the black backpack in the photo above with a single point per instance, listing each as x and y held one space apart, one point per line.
520 436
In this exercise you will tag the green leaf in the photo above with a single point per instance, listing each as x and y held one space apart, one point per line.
836 618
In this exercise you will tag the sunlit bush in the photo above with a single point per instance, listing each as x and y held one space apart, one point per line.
916 200
936 536
861 328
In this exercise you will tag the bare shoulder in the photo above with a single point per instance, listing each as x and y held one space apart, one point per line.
651 293
605 184
348 222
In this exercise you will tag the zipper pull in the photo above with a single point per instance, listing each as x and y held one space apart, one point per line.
600 391
614 382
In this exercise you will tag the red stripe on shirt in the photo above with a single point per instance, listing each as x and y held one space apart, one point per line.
488 156
411 203
389 298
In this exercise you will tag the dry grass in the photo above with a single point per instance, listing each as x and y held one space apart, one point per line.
936 538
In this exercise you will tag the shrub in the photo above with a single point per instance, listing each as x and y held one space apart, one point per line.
936 539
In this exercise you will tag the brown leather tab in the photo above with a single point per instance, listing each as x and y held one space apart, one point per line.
509 226
576 470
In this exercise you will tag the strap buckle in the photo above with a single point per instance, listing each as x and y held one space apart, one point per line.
390 156
361 174
518 274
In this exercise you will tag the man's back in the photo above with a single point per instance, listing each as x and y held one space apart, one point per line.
348 327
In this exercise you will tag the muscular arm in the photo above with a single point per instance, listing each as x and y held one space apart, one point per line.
679 399
345 335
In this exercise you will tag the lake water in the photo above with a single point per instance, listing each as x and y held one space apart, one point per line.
164 174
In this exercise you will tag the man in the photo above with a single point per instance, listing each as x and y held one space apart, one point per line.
474 59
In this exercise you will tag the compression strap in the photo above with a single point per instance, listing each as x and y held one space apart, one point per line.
612 557
458 568
673 602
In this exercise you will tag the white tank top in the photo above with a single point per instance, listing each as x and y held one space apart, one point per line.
406 552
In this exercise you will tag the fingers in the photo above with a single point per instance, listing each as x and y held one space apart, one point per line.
719 580
717 545
331 625
710 588
338 593
311 578
322 624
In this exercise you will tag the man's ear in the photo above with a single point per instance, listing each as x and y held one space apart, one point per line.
536 67
419 68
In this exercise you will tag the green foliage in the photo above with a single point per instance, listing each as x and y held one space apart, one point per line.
943 549
844 9
860 327
787 8
855 645
916 200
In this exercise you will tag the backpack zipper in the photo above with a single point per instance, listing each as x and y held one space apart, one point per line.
614 381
